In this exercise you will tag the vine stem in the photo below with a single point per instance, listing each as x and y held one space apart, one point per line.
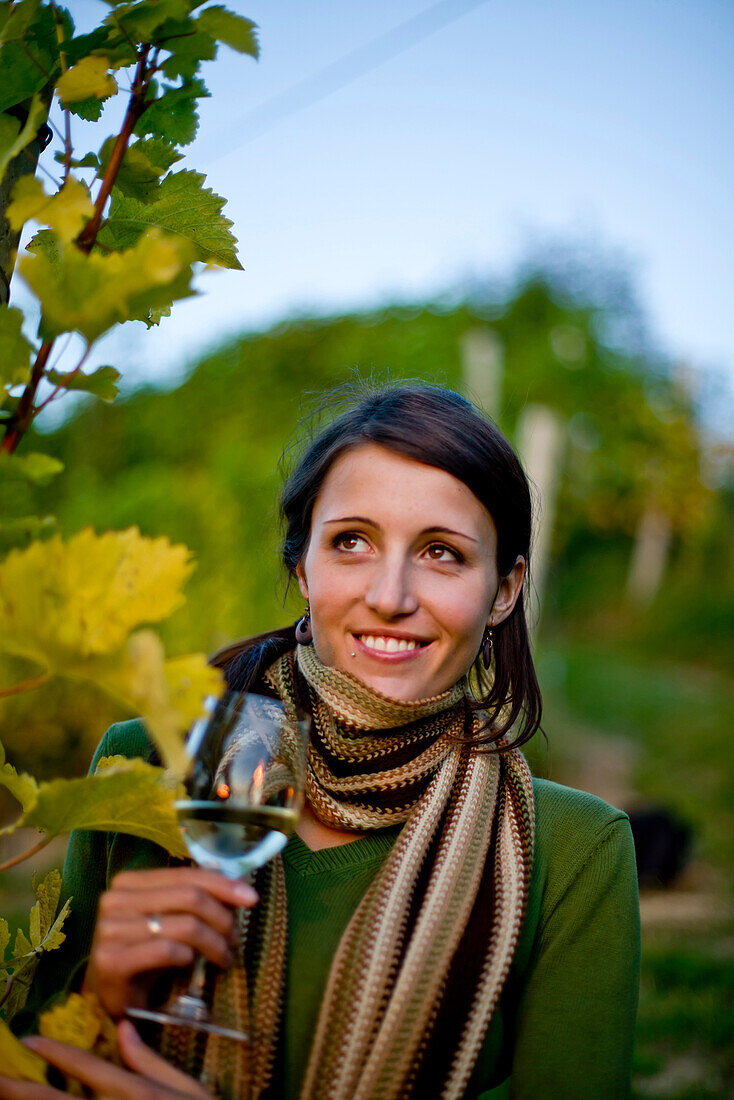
25 685
27 854
22 419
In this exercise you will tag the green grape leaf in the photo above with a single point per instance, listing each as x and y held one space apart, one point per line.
89 78
187 53
28 65
15 351
65 212
34 466
172 116
140 21
89 294
127 796
88 109
22 786
102 382
89 160
13 138
234 30
105 41
18 18
19 1062
138 176
182 206
160 154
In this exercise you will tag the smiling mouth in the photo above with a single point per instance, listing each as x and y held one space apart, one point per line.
379 643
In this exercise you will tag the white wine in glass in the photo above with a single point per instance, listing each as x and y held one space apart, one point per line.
244 789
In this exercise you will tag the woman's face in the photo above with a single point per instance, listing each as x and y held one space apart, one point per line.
400 573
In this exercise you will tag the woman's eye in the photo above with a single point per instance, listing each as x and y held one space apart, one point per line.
438 552
350 541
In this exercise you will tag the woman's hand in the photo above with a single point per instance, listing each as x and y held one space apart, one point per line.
152 1079
150 921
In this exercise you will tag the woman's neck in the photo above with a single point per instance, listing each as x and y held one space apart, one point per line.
315 835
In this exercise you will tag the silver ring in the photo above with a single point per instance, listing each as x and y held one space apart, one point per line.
154 926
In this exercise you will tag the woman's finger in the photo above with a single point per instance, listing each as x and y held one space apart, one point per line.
142 1059
118 905
182 928
26 1090
230 891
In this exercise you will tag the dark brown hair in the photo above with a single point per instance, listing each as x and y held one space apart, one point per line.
440 428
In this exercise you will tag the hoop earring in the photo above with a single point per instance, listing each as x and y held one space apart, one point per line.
487 648
304 635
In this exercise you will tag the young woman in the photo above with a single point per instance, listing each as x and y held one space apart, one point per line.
451 922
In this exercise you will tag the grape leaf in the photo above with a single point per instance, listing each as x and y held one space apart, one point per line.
82 1022
45 926
28 65
88 109
172 116
138 176
18 19
102 382
89 294
89 78
169 694
13 138
18 1061
234 30
65 212
34 466
4 941
187 53
15 351
89 160
127 796
22 786
140 21
182 206
96 589
160 154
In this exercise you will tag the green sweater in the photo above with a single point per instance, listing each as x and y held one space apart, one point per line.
565 1024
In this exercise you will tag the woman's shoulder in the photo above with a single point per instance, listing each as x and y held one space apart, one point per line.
578 836
124 739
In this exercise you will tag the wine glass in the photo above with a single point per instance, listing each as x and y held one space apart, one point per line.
244 790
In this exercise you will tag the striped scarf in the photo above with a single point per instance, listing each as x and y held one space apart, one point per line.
428 949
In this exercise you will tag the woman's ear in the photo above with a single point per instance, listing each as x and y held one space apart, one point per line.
507 593
300 573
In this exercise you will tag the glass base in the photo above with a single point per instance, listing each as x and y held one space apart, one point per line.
189 1012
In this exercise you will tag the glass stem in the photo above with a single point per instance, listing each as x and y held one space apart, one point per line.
198 979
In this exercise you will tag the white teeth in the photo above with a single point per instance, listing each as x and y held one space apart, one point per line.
387 645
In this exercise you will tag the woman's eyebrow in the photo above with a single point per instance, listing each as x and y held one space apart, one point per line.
353 519
448 531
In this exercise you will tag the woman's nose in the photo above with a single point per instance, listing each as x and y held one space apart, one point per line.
391 590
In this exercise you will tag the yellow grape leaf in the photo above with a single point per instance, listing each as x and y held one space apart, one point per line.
22 946
74 1022
15 351
89 294
169 694
4 941
65 212
127 796
95 590
45 926
22 786
17 1061
89 77
190 680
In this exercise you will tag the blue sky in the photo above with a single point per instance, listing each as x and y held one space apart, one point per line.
605 123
